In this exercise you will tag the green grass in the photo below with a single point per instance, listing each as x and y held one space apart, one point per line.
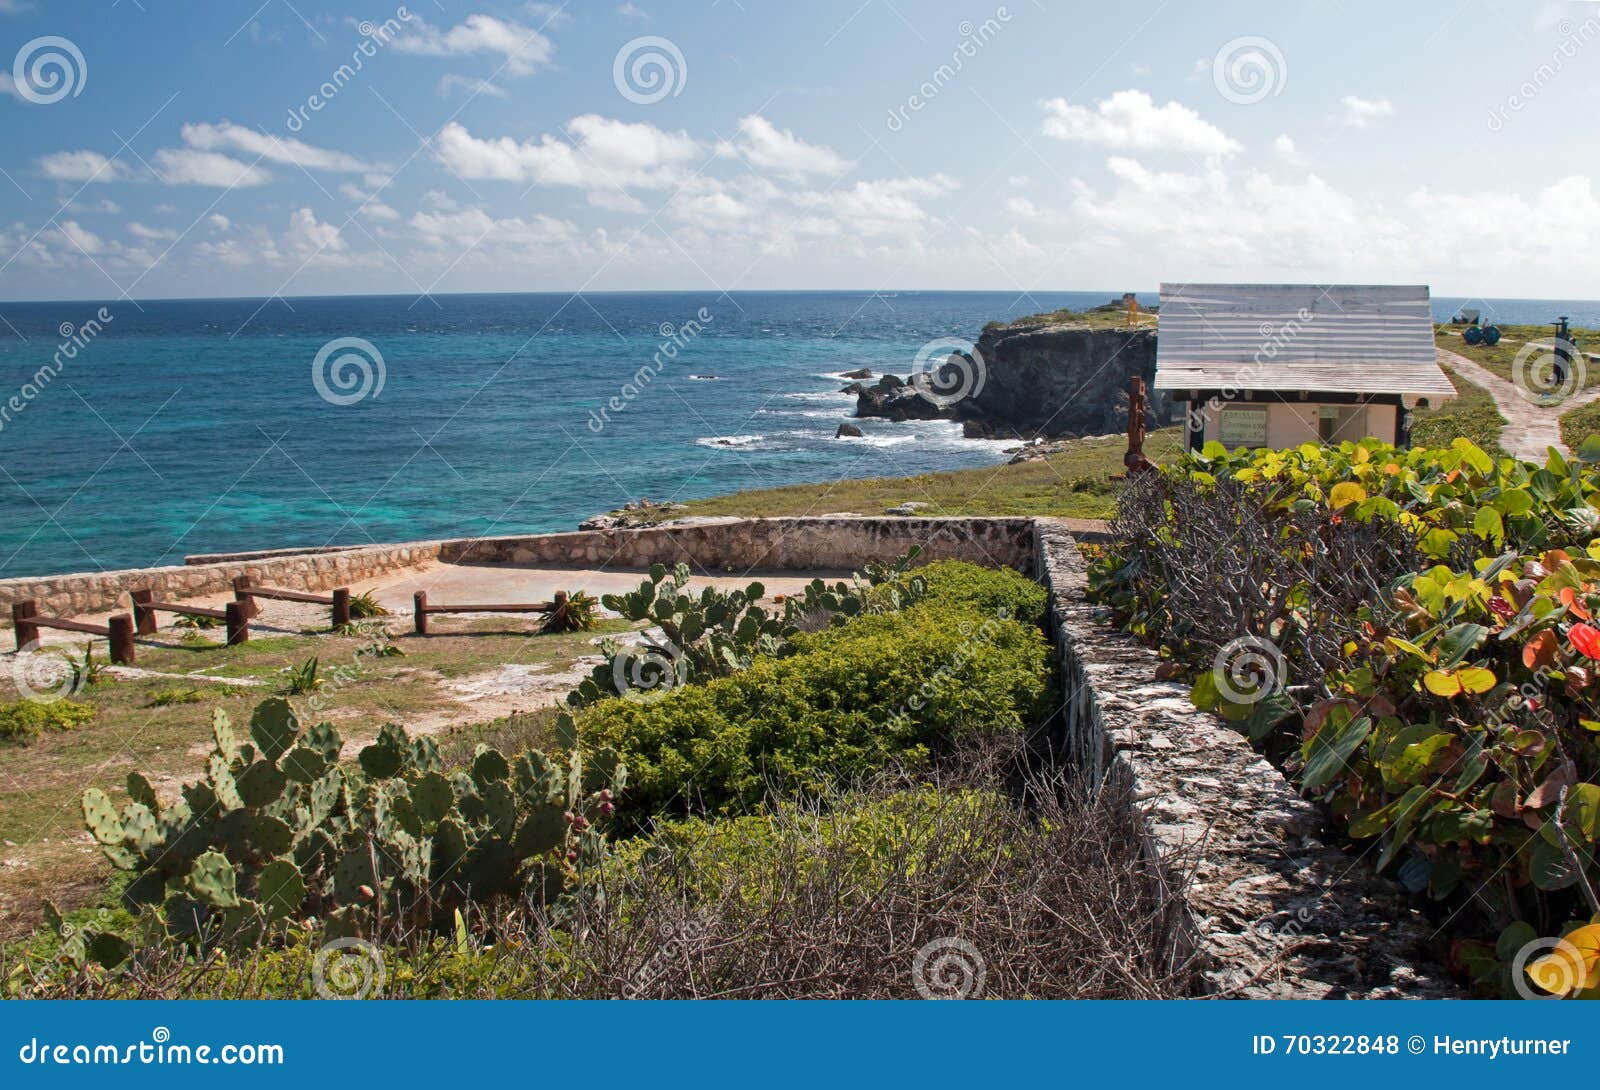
1073 484
1471 415
1094 319
1501 358
1580 424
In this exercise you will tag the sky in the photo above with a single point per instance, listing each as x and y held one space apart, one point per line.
156 149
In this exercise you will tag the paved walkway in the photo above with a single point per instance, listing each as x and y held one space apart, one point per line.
1530 430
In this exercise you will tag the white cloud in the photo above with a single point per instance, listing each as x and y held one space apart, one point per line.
187 166
1359 112
1019 181
219 222
370 206
1285 147
632 11
79 166
231 137
8 86
81 237
605 154
450 82
151 234
475 228
1131 120
766 147
306 236
522 48
888 206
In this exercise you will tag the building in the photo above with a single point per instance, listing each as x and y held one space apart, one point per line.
1276 365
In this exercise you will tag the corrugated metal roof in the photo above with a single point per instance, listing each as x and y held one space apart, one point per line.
1327 338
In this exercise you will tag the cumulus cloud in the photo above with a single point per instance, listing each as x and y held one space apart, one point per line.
150 234
230 137
451 83
522 49
79 166
1131 120
190 166
603 154
766 147
1360 112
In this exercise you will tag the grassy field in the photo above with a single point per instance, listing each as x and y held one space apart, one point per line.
1580 424
1502 357
161 726
1472 415
1073 484
1094 319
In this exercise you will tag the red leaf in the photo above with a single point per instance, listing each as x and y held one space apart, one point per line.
1540 651
1586 638
1502 608
1574 604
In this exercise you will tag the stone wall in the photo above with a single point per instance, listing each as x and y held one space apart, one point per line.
106 592
1274 912
784 544
780 544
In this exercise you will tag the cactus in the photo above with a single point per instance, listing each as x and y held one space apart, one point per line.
277 831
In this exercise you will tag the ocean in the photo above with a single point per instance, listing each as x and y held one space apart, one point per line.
167 428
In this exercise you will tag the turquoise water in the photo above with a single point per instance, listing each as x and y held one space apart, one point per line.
195 426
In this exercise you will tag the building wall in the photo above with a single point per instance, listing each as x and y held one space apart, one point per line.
1292 423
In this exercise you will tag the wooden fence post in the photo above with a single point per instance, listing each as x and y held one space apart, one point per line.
341 607
144 616
241 594
558 615
419 603
121 633
238 622
27 633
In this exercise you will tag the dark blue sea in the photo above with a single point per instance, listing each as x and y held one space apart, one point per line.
179 427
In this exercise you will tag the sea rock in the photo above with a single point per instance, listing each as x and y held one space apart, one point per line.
847 431
910 507
860 372
894 399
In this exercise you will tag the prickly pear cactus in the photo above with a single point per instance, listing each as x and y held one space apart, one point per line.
718 632
278 830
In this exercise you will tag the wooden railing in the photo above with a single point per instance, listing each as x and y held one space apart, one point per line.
423 609
245 593
118 631
146 605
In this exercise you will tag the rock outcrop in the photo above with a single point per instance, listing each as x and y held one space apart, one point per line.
1056 381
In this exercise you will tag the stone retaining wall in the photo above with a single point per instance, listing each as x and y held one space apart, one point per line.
784 544
104 592
1274 912
829 543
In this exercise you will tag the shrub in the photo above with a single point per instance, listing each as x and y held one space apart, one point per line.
988 590
21 721
883 688
1418 653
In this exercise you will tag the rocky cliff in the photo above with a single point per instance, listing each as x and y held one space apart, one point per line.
1052 380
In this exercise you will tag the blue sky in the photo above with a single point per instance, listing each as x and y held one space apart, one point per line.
175 150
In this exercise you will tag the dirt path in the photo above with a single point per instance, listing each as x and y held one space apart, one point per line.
1529 430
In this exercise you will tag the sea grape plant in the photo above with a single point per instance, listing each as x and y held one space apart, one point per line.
277 830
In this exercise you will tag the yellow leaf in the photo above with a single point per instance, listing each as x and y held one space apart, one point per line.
1440 683
1345 493
1572 966
1475 679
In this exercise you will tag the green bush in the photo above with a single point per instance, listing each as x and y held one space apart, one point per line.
988 590
850 700
21 721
